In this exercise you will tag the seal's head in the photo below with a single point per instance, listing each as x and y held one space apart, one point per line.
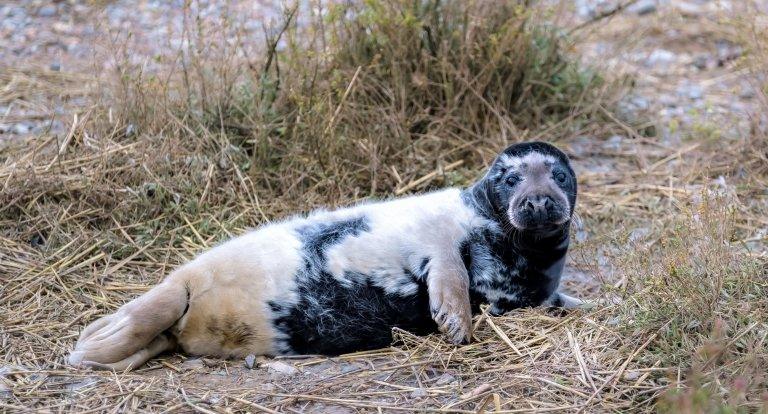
533 187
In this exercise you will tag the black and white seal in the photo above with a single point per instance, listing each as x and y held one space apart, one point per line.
339 281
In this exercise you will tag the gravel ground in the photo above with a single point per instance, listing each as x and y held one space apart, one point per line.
81 38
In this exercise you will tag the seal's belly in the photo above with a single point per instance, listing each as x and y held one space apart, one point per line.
331 318
327 317
312 287
352 288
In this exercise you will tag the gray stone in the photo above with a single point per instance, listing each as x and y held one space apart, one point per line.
47 11
660 58
282 368
701 62
349 367
693 324
192 364
747 93
21 129
445 379
613 143
631 375
421 392
727 51
210 363
688 8
592 8
250 361
640 103
691 91
643 7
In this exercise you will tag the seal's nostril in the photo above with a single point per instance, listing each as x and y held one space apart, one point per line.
528 205
539 204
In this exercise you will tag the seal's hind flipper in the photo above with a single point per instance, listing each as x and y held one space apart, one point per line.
134 334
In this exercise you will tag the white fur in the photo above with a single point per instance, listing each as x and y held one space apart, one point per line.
261 266
530 158
401 232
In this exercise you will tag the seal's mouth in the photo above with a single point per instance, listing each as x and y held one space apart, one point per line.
546 227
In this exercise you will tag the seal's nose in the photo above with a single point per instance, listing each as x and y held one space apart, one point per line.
538 205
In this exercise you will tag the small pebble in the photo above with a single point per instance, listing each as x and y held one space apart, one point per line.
643 7
47 11
614 142
421 392
640 103
695 92
282 368
747 93
192 363
20 129
592 8
250 361
660 58
631 375
346 368
701 62
691 91
688 9
209 362
445 379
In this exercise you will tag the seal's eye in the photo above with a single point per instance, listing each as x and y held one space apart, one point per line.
513 179
560 177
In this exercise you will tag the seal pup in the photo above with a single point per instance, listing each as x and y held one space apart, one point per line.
338 281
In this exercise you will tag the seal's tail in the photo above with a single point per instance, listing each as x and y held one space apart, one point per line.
136 332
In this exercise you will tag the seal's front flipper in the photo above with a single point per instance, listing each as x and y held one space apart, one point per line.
561 300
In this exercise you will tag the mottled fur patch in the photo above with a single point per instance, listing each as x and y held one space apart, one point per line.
333 317
232 332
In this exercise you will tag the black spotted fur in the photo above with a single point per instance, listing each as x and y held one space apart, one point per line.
333 318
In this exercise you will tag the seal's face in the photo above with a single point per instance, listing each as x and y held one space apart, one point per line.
534 184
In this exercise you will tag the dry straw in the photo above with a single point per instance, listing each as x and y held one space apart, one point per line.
158 168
